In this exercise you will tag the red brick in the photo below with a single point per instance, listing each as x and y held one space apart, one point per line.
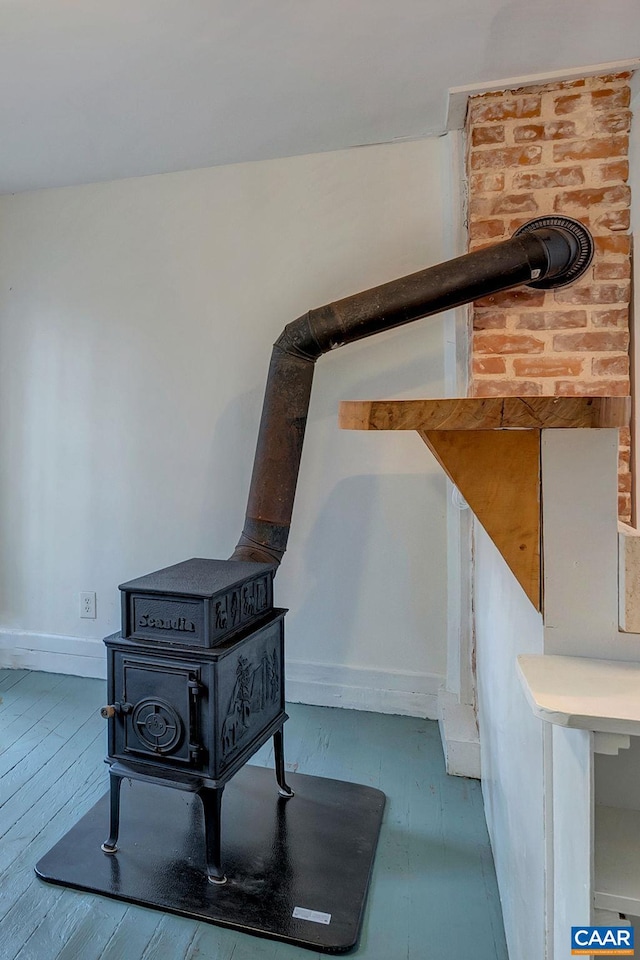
615 77
515 203
588 196
480 244
483 111
478 206
519 297
528 133
485 229
594 293
560 177
624 470
612 270
595 341
549 88
507 157
616 170
584 218
624 436
547 367
556 130
486 182
614 220
613 122
591 388
619 243
610 318
515 223
617 366
485 320
611 99
491 365
595 149
624 507
616 244
506 388
624 482
569 103
560 130
552 320
491 134
506 343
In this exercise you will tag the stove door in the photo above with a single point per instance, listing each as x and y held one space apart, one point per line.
159 715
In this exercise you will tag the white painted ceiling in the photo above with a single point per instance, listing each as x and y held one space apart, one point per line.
102 89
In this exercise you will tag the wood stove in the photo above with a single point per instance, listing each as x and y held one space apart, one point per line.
196 675
195 684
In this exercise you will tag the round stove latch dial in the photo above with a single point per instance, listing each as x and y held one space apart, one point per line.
157 724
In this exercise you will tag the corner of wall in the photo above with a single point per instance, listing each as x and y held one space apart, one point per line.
76 656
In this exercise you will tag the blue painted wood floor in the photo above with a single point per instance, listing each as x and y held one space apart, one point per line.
433 894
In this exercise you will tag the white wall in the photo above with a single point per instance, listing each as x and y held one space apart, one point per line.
512 748
136 320
537 778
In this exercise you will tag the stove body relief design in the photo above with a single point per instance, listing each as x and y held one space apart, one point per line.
196 684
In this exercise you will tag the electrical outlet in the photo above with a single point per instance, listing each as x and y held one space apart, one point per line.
88 606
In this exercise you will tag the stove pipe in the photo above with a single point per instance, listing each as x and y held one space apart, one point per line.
547 252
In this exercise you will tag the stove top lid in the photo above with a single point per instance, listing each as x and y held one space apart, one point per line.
198 577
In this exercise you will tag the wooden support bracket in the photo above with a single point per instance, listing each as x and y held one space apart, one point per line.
498 474
490 449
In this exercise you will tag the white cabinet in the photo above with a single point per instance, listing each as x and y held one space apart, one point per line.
594 706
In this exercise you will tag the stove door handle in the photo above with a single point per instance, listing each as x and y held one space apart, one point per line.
115 708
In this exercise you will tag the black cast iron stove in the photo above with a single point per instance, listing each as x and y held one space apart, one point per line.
195 684
196 676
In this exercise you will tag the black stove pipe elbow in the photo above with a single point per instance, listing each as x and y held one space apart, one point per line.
547 252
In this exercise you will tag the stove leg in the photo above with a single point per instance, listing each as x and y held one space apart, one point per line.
111 845
212 806
278 751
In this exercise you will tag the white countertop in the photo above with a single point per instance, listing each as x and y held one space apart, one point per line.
599 695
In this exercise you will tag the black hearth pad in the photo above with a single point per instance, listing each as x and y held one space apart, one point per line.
314 852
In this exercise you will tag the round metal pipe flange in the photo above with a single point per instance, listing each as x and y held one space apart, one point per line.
576 236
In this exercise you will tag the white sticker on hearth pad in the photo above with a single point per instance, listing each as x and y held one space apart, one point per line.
315 916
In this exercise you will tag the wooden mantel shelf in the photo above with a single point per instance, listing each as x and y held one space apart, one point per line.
489 447
485 413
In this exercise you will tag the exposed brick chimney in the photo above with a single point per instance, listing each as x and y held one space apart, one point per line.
561 148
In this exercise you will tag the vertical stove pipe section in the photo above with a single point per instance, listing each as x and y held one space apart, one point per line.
550 252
